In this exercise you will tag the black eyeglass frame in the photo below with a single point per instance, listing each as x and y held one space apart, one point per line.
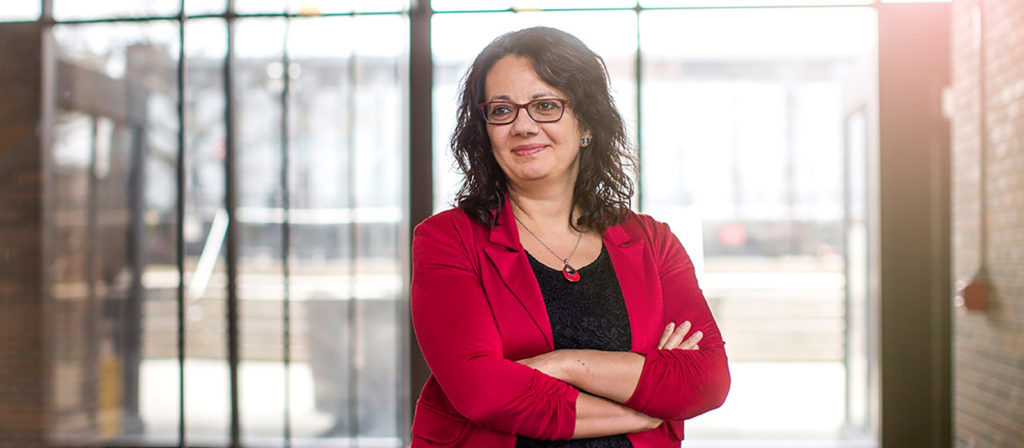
483 110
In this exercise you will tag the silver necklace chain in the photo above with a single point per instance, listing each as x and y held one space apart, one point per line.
564 260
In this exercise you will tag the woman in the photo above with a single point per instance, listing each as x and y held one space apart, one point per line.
546 309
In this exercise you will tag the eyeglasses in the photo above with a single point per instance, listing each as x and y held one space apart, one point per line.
544 110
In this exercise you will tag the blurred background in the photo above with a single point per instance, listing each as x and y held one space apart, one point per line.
206 210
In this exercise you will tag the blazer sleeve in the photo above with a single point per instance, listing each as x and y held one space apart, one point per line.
459 338
681 384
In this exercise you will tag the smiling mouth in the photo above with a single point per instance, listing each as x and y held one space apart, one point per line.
527 150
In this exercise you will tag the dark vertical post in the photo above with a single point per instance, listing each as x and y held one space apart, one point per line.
33 49
25 370
90 313
231 199
421 179
180 224
133 311
230 191
913 68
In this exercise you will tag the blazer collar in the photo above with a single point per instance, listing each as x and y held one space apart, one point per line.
616 235
504 231
633 272
509 259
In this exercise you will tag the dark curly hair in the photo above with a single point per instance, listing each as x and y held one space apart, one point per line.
603 187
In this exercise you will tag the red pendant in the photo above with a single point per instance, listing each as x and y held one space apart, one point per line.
570 274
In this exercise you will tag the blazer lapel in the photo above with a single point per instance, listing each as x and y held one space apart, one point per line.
509 259
642 307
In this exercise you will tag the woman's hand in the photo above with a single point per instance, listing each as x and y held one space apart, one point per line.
673 338
598 417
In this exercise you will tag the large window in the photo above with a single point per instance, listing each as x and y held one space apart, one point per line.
111 230
280 319
740 117
227 205
742 155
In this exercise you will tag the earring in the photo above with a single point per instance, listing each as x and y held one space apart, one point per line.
585 141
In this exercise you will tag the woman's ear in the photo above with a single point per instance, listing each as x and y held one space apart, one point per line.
585 139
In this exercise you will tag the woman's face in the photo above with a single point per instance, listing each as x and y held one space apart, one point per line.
527 151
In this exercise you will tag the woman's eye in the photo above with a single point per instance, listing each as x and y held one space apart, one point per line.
546 105
501 109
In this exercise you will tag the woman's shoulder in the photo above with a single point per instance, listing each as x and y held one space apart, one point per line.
450 215
451 233
454 216
454 221
642 225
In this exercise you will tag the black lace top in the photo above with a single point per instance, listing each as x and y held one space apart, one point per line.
589 314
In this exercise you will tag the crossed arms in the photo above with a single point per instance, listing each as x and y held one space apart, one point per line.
623 392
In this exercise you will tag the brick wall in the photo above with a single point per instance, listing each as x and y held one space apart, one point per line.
988 347
22 361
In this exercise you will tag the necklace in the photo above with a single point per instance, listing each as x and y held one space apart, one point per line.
570 273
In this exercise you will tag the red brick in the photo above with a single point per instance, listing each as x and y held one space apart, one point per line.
988 348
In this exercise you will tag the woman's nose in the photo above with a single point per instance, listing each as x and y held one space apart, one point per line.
524 124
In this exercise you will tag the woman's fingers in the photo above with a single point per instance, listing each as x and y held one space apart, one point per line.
677 336
665 334
691 342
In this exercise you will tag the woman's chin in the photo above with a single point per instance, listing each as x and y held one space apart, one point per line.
530 172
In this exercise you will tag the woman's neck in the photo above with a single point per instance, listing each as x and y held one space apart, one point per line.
549 208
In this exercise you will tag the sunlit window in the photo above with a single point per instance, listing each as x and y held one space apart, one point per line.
751 3
317 7
112 215
745 153
77 10
318 127
743 156
501 5
751 122
20 11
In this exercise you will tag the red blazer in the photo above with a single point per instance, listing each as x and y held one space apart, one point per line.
477 307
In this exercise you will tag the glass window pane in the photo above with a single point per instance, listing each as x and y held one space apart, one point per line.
345 6
346 188
743 157
501 5
610 34
258 82
733 3
207 413
77 9
113 221
260 6
858 334
205 6
20 11
317 7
